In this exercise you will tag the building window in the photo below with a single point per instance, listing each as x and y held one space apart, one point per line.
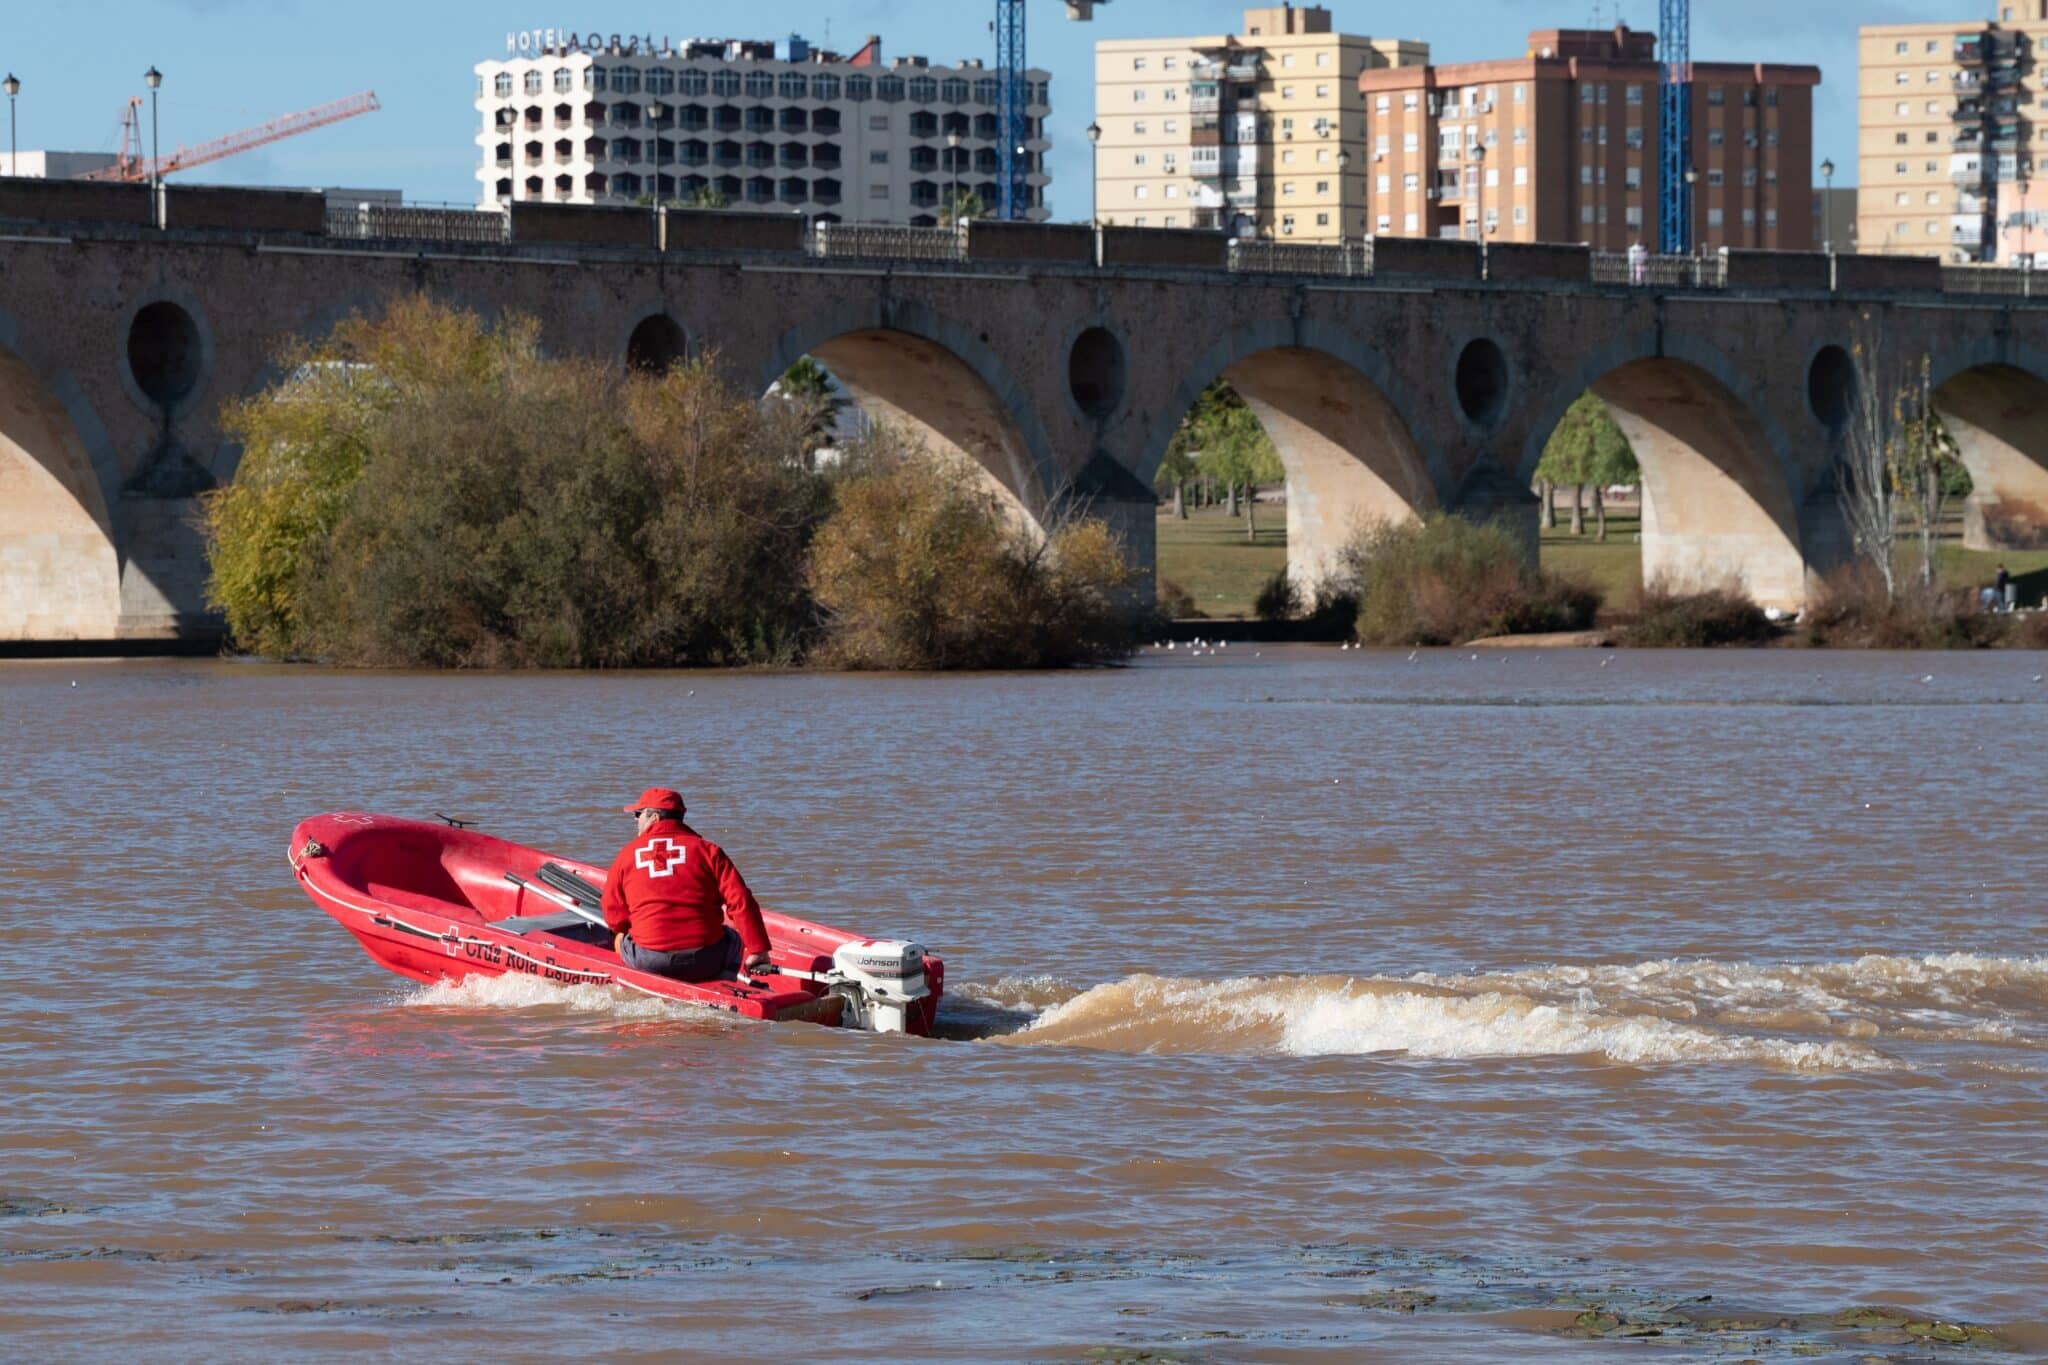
1903 78
1749 218
1749 176
1383 184
1287 59
1899 138
1633 137
1322 220
1139 127
1379 144
1410 142
1521 94
1585 175
1287 187
878 191
1714 180
1322 59
1586 215
1634 94
1171 63
1141 191
1170 126
1286 92
1138 159
1170 220
532 82
1716 95
1521 135
879 157
503 85
1521 175
878 123
1411 182
1899 49
1322 187
1632 216
1383 104
565 80
1586 94
1409 101
1287 157
1521 214
1137 63
1322 92
1632 177
1170 191
1903 108
1716 138
1409 223
1713 218
1384 223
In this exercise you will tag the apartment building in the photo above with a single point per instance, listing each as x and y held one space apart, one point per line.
1947 135
1561 145
838 138
1248 133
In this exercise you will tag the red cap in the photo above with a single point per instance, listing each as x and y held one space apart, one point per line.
657 798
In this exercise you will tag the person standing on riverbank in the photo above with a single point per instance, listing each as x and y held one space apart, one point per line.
669 893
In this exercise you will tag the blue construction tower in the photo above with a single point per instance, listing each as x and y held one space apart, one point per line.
1674 128
1013 197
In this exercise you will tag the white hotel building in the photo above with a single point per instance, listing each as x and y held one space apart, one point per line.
838 138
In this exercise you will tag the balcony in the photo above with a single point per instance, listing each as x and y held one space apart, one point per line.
1967 139
1971 177
1969 111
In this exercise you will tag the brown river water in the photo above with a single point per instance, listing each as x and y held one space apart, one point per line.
1302 1004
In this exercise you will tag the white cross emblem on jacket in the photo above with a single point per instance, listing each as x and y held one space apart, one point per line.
660 857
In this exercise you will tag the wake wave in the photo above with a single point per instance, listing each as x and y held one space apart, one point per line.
1815 1017
518 991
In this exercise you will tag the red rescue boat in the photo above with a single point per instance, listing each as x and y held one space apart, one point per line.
437 902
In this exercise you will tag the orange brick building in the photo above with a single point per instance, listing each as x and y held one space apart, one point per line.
1560 145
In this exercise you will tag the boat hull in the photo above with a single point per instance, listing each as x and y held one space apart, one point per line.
434 904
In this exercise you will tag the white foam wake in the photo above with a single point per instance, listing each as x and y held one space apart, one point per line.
1811 1016
518 991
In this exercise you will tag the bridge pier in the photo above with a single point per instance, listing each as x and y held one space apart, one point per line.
1490 494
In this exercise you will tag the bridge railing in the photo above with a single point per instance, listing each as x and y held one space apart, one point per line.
1989 279
1256 256
416 223
886 242
1661 272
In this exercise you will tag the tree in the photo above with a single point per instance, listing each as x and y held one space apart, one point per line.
1223 441
1587 447
1895 452
807 384
960 207
1176 471
707 197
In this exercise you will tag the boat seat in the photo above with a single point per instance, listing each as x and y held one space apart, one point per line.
556 923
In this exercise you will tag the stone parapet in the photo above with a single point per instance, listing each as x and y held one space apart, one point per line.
1539 262
221 207
1887 274
578 225
728 230
73 201
1170 248
1437 257
1777 269
1069 244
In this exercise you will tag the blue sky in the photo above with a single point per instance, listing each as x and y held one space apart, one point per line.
232 63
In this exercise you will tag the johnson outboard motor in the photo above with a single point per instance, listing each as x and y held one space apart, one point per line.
879 980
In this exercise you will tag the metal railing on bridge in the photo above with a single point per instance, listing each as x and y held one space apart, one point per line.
1258 256
1661 272
886 242
1989 279
417 223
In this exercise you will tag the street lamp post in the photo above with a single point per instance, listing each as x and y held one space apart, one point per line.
13 87
1094 183
154 78
654 132
1343 166
1827 206
1479 203
953 176
2026 228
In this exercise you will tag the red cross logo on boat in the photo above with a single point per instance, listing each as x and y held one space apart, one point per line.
660 856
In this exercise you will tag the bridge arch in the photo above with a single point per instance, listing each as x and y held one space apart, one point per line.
1719 503
1992 397
60 575
937 380
1335 410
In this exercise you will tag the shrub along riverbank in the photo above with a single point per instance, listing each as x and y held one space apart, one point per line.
425 489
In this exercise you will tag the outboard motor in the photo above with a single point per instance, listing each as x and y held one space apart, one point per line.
879 980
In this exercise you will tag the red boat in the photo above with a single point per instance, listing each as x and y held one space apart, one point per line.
439 902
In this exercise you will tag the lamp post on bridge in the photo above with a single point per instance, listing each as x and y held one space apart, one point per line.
1827 206
1343 167
13 87
1094 181
154 78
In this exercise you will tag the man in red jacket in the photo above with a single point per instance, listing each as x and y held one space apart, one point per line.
667 896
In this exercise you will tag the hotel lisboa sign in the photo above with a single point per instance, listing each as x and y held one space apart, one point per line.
555 42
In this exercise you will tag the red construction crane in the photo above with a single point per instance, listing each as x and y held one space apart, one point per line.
131 166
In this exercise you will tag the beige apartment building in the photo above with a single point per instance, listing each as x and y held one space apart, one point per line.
1241 132
1561 145
1946 137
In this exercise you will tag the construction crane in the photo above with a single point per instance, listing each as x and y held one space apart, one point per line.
1674 127
132 167
1012 195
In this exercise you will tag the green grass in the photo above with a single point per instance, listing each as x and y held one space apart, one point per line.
1209 556
1614 566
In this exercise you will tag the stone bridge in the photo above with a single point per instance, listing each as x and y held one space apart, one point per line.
1417 376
